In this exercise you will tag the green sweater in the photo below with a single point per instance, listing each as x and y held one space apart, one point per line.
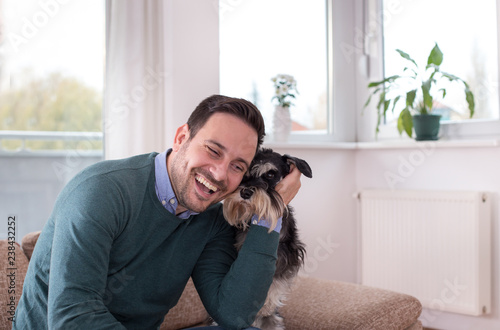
111 257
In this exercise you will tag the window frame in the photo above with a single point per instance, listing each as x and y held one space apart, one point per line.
341 76
340 80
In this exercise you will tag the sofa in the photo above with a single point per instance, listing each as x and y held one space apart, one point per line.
313 304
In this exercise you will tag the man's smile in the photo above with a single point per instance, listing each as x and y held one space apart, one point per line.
205 185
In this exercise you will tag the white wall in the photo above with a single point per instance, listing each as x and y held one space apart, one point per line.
325 212
453 168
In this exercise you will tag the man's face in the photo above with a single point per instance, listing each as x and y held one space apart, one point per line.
205 169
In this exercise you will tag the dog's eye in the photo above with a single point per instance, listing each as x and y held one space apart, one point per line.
270 175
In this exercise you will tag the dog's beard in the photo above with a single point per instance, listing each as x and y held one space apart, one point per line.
237 211
266 205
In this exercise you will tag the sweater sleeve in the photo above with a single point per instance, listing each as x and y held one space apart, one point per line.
85 226
233 292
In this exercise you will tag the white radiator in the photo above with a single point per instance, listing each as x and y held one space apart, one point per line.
432 245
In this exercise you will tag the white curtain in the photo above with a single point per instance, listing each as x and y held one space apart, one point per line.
162 59
136 78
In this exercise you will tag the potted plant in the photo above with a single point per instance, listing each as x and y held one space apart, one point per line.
419 97
285 88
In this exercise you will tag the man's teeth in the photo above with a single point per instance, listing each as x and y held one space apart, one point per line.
206 183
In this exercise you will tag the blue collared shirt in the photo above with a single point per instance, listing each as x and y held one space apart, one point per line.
166 194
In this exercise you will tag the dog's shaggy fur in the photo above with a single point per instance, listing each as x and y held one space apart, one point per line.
256 195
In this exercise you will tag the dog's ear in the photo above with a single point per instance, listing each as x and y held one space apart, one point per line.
301 164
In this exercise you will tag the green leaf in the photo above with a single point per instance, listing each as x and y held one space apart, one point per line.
451 77
368 101
379 119
400 125
469 97
435 57
431 77
410 98
414 74
395 101
388 79
381 101
406 56
426 87
405 122
443 91
386 106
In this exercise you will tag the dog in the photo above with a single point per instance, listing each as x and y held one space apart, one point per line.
257 195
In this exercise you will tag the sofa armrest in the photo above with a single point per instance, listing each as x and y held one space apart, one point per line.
13 268
324 304
28 243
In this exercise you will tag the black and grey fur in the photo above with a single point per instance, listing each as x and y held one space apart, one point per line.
256 195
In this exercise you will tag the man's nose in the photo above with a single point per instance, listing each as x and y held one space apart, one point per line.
219 171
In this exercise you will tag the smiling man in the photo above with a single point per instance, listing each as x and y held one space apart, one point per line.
126 235
205 168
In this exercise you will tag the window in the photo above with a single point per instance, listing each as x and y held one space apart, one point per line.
260 39
51 84
466 32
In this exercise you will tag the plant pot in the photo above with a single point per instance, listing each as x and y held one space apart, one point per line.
282 123
426 127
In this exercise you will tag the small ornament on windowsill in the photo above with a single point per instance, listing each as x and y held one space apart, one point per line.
285 88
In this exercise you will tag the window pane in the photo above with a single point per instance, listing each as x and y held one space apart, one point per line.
52 61
52 57
466 32
260 39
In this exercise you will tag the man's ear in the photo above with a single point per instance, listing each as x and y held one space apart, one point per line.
181 136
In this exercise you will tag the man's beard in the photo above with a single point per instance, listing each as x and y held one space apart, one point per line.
182 182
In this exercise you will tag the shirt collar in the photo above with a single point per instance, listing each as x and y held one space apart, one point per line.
164 189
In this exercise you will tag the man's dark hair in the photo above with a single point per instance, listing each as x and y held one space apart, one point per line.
240 108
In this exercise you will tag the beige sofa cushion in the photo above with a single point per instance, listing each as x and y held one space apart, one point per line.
188 312
324 304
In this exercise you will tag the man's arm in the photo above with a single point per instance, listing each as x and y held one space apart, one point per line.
233 292
85 226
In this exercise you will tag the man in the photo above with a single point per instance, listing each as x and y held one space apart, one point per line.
125 236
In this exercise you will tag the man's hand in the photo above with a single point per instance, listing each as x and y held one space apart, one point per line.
290 185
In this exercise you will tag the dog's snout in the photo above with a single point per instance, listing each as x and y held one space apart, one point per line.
246 193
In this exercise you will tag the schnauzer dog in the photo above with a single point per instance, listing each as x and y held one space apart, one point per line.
256 195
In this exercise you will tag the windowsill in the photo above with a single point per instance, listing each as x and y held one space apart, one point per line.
310 145
388 144
409 144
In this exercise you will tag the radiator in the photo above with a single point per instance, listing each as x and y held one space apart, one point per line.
433 245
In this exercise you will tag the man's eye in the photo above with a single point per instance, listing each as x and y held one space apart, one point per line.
212 151
239 168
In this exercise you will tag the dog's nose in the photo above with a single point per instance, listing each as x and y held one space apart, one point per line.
246 193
